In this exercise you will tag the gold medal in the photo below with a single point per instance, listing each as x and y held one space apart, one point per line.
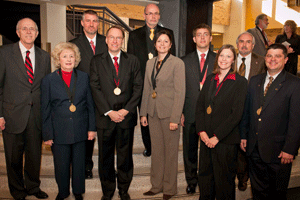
259 111
72 107
209 110
150 56
153 94
117 91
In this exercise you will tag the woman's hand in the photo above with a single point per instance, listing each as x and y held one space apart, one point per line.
204 137
91 135
48 142
144 121
212 142
173 126
290 50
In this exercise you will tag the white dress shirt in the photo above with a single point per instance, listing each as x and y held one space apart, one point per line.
31 55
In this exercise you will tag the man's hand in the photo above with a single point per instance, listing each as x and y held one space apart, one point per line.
115 116
182 120
2 123
123 112
91 135
48 142
243 144
173 126
144 121
286 158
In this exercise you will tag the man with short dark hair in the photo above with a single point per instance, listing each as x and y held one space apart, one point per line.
141 44
270 128
90 43
116 85
198 65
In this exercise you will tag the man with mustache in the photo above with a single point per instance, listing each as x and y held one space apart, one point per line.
249 64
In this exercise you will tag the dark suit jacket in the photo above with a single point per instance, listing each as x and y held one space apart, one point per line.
17 95
59 123
103 85
192 73
277 128
137 45
86 51
227 109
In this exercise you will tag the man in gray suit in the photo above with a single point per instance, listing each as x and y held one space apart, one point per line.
259 34
22 67
198 65
249 64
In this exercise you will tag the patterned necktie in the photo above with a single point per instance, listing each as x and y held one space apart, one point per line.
28 66
151 33
202 61
265 38
116 65
158 65
242 68
268 85
93 46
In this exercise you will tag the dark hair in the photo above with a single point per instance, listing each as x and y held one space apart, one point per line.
201 26
91 12
278 46
162 32
233 65
117 27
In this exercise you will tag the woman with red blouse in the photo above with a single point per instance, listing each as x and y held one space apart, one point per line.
218 113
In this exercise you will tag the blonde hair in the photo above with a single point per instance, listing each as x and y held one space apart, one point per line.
55 54
293 26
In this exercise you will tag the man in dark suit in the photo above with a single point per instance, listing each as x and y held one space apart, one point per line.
89 43
22 66
270 128
198 65
141 44
261 39
248 64
116 85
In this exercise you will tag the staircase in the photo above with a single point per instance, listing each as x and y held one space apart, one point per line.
140 182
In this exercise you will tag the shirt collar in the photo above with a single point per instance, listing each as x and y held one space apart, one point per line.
274 77
199 53
94 39
229 77
23 49
112 56
247 57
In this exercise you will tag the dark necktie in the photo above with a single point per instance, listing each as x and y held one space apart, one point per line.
242 69
116 64
28 66
93 46
158 65
202 61
265 37
268 85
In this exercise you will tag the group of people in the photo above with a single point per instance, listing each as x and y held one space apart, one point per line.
243 108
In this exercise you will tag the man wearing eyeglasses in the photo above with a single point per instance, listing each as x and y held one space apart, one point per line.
141 44
116 85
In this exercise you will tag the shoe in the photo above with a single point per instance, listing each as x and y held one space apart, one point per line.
190 189
105 198
41 195
78 197
149 193
88 174
124 196
58 198
22 198
147 153
166 196
242 186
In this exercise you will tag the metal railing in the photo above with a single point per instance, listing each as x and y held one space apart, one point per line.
106 16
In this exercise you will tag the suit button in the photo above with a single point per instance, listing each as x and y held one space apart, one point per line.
256 133
259 119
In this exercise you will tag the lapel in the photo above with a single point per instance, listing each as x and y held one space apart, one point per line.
258 32
38 66
253 67
274 88
17 57
99 45
108 66
210 62
123 66
84 42
143 39
195 68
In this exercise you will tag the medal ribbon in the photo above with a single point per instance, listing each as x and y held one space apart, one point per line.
71 94
153 78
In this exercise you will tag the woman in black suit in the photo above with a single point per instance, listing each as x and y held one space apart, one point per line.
68 118
218 113
291 40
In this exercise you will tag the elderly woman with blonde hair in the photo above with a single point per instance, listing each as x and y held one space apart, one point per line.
291 40
68 118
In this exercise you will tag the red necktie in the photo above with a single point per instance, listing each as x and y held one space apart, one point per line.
93 46
202 61
28 66
116 65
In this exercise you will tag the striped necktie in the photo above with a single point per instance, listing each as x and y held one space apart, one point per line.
29 69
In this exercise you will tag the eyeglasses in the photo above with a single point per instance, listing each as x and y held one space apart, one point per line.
152 14
31 29
112 38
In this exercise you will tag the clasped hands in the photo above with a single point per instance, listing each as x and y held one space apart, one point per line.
91 136
173 126
118 116
209 142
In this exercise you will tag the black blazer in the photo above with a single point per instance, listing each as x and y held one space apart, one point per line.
192 73
227 109
86 51
137 45
59 123
277 128
103 85
17 96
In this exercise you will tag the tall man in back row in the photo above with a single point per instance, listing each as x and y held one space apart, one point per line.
141 44
198 65
90 43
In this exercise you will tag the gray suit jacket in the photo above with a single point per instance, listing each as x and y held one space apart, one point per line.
17 96
170 90
259 47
